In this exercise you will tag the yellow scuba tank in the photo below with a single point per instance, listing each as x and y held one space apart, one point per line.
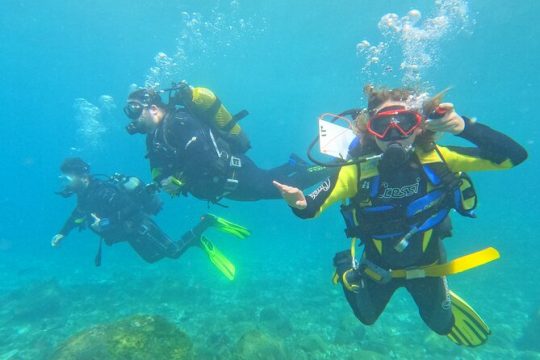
203 103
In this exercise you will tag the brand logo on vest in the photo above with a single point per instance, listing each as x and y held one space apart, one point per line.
323 187
400 192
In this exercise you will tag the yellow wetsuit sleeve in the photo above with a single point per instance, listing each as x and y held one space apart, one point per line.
467 162
494 150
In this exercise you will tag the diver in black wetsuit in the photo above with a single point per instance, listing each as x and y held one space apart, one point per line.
200 149
119 209
399 203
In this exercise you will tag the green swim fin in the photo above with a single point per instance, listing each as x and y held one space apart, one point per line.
228 227
469 328
218 259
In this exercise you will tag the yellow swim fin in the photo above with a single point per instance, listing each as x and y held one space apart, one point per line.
469 328
218 259
228 227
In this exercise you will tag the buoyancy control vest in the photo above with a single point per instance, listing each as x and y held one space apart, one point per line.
201 162
445 191
139 194
132 202
118 197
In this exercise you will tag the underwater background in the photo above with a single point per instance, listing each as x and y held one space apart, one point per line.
66 69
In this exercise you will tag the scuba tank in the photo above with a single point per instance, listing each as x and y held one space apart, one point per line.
205 105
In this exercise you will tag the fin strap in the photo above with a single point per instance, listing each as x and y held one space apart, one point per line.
235 119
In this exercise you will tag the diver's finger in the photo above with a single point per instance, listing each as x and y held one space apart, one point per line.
447 107
436 126
278 185
284 188
301 204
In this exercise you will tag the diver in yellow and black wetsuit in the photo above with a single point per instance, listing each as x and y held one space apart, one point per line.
195 146
399 203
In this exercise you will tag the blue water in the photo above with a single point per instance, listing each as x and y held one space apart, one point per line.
286 62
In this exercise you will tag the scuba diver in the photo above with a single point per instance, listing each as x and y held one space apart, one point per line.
400 190
195 146
119 208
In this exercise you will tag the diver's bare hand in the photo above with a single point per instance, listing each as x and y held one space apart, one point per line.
171 185
292 195
55 241
450 122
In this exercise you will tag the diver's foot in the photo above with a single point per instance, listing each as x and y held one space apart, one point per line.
190 239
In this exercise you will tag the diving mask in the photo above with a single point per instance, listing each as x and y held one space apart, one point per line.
68 184
397 118
134 109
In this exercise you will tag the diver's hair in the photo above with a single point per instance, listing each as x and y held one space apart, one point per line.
147 97
75 166
377 96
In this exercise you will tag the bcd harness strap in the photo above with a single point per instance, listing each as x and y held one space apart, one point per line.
383 276
212 111
235 163
231 183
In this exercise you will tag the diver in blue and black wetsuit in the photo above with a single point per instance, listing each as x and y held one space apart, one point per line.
195 146
120 209
399 203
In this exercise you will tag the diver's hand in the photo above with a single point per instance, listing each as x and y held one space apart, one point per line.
449 122
292 195
55 241
171 185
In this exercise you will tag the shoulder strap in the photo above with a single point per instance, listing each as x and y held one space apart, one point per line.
441 174
211 112
235 119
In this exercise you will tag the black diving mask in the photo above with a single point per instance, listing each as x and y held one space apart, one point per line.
134 109
66 184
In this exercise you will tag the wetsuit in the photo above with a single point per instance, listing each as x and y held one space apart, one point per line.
127 214
210 168
399 188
